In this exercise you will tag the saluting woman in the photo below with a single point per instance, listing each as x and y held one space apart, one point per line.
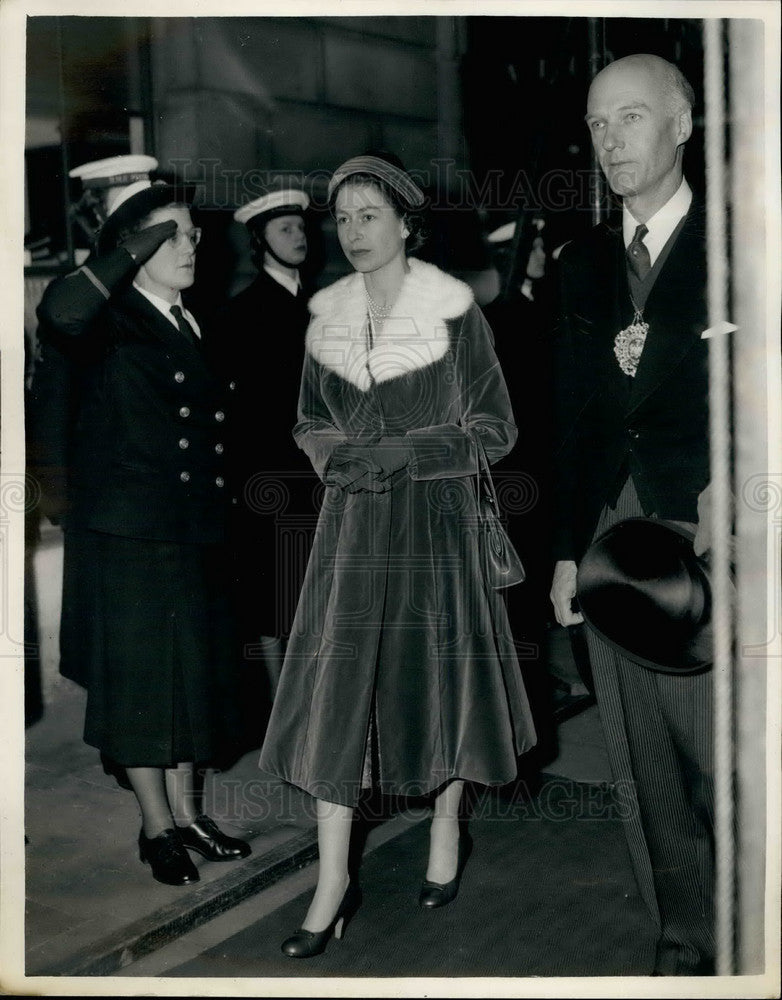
400 671
145 625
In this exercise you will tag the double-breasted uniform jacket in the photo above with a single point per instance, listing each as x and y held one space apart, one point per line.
130 417
261 333
653 425
144 449
397 639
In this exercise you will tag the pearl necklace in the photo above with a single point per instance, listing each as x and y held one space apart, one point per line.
380 312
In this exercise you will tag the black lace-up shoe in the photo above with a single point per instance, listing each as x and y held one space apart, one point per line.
204 836
168 858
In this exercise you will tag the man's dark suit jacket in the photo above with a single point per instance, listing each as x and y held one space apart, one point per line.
653 425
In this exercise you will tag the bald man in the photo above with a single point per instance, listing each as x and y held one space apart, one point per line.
634 441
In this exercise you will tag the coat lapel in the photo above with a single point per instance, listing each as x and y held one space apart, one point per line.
153 322
675 310
603 294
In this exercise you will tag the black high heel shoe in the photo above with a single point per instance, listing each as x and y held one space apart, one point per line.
434 894
305 944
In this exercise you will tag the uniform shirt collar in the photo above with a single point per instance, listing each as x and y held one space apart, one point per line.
662 223
291 284
165 308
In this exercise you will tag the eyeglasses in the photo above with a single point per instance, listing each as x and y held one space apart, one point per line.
194 235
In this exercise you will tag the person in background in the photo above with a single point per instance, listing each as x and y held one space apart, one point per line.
632 387
272 483
522 318
133 416
400 673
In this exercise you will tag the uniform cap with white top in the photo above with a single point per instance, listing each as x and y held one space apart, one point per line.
130 193
121 176
287 201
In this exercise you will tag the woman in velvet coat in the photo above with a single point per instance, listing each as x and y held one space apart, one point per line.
400 671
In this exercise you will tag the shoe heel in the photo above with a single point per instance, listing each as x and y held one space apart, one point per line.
339 928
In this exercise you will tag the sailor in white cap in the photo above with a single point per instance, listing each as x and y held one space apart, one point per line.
262 338
139 437
106 183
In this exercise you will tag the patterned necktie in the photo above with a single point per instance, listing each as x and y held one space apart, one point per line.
184 327
638 253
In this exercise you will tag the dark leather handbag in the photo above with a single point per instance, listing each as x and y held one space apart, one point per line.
501 563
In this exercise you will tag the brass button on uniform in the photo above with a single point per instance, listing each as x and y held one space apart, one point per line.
185 477
184 443
219 448
179 376
232 386
219 416
184 411
219 481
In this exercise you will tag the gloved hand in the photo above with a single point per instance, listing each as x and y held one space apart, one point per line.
392 453
145 242
351 468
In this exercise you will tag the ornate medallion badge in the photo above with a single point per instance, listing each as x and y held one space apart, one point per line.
629 344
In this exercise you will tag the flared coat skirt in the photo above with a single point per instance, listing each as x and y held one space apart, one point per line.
147 629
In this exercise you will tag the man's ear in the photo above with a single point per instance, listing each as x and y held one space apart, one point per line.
685 125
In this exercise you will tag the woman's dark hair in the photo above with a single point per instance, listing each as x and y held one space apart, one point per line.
413 218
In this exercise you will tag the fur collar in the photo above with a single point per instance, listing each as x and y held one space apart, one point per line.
414 335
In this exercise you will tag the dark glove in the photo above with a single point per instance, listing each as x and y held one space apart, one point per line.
145 242
351 464
392 453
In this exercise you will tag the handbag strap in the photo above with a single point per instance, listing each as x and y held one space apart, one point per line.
483 469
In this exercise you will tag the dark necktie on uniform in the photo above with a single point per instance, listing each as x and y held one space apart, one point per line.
638 253
184 327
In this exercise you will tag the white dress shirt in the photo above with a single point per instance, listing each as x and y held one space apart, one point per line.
284 279
661 224
165 308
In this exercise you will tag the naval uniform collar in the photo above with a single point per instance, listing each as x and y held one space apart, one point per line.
165 307
290 284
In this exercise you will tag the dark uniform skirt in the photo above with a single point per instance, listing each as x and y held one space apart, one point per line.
147 629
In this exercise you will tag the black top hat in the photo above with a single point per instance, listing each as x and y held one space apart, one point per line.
643 590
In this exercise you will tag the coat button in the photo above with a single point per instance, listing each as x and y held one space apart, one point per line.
184 411
219 481
634 434
232 386
219 416
184 443
185 477
179 376
219 448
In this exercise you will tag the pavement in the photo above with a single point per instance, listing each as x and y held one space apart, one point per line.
91 908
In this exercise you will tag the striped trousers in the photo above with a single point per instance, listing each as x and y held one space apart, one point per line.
659 737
